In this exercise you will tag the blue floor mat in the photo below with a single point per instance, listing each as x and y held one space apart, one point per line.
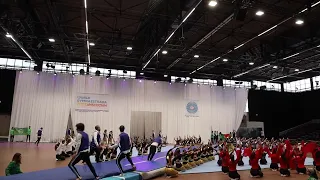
104 169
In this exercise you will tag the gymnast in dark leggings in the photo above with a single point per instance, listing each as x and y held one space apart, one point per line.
124 143
82 152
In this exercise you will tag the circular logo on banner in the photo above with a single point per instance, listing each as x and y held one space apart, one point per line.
192 107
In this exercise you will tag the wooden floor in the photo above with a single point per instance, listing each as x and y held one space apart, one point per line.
34 158
43 157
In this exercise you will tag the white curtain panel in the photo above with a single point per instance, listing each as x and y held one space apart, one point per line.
45 100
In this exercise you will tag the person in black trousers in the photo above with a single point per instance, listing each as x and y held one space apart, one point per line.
39 133
124 143
153 148
81 152
95 144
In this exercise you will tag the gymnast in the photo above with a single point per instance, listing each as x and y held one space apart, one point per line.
124 143
82 150
153 147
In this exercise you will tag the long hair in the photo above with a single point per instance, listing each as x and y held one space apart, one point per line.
17 158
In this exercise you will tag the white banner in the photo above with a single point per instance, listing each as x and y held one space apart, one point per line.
92 102
192 108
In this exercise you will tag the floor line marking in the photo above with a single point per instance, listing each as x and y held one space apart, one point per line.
145 161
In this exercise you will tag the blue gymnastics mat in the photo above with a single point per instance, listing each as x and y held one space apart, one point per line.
104 169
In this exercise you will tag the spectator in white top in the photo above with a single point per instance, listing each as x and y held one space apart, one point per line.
59 149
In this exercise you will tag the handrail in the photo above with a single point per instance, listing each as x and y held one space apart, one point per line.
301 125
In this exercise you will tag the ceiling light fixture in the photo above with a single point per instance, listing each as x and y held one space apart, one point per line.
165 75
212 3
225 60
129 48
92 44
275 67
52 40
164 52
8 35
296 70
299 21
259 13
196 56
251 63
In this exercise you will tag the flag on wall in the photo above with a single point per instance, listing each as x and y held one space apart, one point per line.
192 108
92 102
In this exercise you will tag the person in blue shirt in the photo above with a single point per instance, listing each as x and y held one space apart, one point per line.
124 143
39 134
153 148
95 144
82 152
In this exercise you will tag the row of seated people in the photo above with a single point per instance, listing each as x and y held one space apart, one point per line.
188 141
182 159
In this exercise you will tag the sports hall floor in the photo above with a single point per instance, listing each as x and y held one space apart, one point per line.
43 158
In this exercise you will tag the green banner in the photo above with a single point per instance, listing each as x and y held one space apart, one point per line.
20 131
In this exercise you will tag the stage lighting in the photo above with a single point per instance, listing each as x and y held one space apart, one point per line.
8 35
164 52
196 56
296 70
299 21
275 67
259 13
251 63
165 75
225 60
52 40
213 3
129 48
92 44
141 73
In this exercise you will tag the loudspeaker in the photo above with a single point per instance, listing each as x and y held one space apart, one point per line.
240 14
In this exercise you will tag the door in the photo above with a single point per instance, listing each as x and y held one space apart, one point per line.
144 122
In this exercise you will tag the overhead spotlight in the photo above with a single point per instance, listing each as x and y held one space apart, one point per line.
259 13
52 40
97 73
196 56
8 35
299 21
296 70
165 75
129 48
225 60
92 44
212 3
141 73
251 63
164 52
275 67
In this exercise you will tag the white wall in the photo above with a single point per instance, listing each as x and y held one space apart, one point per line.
45 100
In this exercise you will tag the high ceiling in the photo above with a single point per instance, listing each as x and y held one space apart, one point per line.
145 25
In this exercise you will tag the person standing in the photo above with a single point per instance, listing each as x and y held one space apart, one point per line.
212 137
95 144
153 134
124 143
39 134
28 134
82 149
153 148
11 134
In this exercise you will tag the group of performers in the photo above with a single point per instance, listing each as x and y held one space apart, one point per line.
285 156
